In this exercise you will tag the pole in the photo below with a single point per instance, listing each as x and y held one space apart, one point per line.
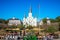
38 15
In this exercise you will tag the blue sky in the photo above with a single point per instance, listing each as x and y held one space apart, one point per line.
17 8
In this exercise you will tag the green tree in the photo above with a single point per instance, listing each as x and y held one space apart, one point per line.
29 27
59 26
30 37
13 26
2 20
6 21
44 20
58 19
20 26
52 20
51 29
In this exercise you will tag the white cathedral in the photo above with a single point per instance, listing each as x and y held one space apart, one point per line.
30 20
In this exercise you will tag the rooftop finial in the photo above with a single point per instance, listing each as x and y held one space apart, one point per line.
48 18
13 17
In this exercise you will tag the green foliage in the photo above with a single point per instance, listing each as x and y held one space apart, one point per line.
51 29
30 37
29 27
6 21
52 20
0 27
20 26
44 20
58 19
13 26
59 26
2 20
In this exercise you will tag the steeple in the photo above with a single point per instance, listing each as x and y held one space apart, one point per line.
24 15
30 11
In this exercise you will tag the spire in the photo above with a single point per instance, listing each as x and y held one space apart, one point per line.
30 12
30 9
24 15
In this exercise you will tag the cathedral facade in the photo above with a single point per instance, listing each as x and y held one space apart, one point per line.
30 20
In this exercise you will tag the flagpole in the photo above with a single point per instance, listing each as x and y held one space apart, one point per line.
38 15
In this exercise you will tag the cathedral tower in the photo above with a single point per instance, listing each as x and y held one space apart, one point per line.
30 20
30 12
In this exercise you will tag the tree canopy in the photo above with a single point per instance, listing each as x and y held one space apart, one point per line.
58 19
3 21
44 20
51 29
